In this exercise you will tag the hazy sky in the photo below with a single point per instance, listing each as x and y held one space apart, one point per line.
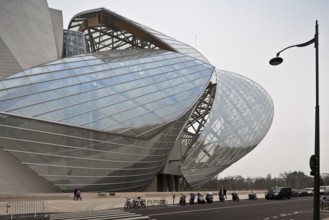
242 36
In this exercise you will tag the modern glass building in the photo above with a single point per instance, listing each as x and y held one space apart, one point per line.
119 107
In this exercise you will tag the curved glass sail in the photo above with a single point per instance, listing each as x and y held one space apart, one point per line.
128 92
240 117
101 121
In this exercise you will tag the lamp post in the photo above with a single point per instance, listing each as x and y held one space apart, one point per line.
315 159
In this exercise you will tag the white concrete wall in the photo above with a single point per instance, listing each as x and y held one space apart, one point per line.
27 30
18 178
8 62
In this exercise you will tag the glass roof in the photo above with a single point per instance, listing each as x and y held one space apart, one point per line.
113 30
119 91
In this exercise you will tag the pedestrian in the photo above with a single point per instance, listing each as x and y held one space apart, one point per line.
75 194
78 194
221 195
224 191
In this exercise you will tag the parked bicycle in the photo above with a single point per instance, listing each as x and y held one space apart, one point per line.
235 197
139 202
128 204
182 200
252 196
163 202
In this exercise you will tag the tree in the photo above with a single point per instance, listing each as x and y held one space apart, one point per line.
296 179
325 178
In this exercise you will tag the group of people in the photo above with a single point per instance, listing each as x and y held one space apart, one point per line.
77 194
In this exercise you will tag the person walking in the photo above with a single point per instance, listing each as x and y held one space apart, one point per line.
224 192
221 195
75 194
78 194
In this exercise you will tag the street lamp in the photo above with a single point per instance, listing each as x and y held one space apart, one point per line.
315 159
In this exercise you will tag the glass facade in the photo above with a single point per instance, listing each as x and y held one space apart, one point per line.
103 121
240 117
119 93
74 43
71 157
113 118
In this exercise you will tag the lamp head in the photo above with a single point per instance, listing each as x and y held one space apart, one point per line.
276 61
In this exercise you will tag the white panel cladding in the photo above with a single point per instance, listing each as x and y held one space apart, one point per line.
57 24
26 29
8 63
17 178
174 160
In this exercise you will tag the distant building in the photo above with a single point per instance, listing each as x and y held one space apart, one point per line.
112 105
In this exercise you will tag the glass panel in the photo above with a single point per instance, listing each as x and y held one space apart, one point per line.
98 103
62 74
94 94
127 77
62 113
56 104
46 116
84 70
125 105
52 94
150 89
28 100
131 85
34 110
58 67
4 94
159 78
36 70
117 89
70 90
77 64
146 81
14 76
110 81
9 104
46 86
95 61
68 81
87 77
8 83
22 91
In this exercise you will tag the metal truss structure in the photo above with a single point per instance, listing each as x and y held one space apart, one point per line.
198 118
103 31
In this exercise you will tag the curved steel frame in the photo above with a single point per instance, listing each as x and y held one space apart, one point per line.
198 118
105 30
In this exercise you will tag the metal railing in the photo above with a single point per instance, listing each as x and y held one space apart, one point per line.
139 202
25 207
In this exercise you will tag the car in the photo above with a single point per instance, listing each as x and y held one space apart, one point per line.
294 193
324 190
310 191
279 193
302 193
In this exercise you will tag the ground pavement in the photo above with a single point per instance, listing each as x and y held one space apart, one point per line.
63 202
